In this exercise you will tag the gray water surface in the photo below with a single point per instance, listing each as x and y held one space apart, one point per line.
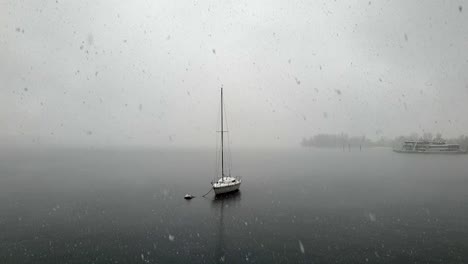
295 206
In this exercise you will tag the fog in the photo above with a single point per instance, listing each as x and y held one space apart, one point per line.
148 73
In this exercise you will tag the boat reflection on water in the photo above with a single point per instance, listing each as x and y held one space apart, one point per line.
224 203
231 198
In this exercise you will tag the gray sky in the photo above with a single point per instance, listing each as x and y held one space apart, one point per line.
148 73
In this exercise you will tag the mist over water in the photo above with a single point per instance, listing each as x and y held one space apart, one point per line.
143 74
297 206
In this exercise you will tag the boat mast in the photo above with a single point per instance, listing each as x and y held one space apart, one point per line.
222 138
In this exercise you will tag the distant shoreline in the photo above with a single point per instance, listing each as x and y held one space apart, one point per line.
340 141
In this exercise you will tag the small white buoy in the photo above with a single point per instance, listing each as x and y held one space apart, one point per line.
188 196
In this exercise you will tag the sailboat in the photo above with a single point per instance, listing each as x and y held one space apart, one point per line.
224 183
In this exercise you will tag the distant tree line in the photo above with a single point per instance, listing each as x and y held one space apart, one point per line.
343 140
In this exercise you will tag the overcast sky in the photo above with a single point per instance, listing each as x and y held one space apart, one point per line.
136 73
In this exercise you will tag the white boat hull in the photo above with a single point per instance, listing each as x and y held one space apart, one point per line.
431 151
227 189
226 185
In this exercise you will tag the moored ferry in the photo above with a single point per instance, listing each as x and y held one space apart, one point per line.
430 147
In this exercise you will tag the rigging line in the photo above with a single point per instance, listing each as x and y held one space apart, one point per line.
226 145
215 168
222 137
217 154
229 156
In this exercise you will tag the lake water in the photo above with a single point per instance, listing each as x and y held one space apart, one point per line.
294 206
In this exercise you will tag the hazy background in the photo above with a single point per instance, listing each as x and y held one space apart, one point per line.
148 73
